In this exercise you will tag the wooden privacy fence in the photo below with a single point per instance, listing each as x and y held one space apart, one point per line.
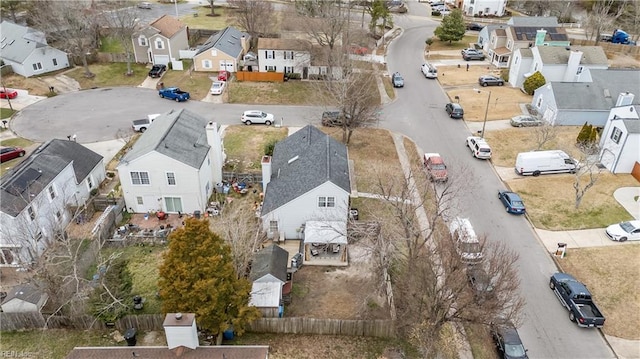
260 76
34 320
608 46
369 328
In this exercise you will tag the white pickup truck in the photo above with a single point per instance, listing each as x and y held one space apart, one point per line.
141 125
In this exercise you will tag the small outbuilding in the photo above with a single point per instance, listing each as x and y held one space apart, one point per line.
25 298
325 243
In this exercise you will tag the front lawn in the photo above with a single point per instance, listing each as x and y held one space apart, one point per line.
6 113
276 93
109 75
196 83
438 45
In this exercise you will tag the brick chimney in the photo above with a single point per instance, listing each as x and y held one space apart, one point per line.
244 42
216 153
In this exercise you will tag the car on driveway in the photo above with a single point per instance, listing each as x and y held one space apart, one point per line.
397 80
490 80
217 87
479 147
472 54
10 153
508 342
512 202
454 110
8 93
623 231
255 116
525 121
157 70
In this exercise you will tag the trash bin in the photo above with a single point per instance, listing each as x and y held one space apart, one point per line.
197 214
353 213
130 337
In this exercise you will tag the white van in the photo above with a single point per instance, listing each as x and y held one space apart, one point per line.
429 71
536 163
466 241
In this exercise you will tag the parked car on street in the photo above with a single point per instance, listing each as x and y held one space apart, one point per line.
490 80
397 80
144 5
623 231
454 110
472 54
333 118
174 93
512 202
466 241
255 116
525 121
9 153
429 71
157 70
474 27
479 147
508 342
575 296
8 93
217 87
436 169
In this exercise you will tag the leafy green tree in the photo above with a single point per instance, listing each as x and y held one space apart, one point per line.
452 27
379 11
111 299
584 134
197 276
534 82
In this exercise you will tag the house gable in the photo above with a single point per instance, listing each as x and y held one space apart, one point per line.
167 26
302 162
18 42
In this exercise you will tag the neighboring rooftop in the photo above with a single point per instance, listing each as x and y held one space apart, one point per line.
270 260
537 21
227 40
599 95
18 42
283 44
591 55
167 25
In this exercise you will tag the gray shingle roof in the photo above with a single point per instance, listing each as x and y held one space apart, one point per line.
526 53
632 125
270 260
28 293
36 172
591 55
179 135
601 94
18 42
302 162
227 41
533 21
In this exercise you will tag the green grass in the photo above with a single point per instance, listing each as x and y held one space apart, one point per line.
52 343
110 45
6 113
438 45
277 93
108 75
203 21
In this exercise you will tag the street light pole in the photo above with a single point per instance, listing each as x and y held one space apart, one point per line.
486 111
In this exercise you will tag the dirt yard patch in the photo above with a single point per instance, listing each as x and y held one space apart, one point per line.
505 102
245 145
611 274
453 76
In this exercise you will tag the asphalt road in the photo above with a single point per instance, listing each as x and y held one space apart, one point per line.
418 112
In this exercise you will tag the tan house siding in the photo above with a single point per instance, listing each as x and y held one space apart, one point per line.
214 56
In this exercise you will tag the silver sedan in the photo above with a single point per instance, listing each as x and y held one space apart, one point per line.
525 121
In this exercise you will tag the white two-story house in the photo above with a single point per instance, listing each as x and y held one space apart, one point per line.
284 55
482 7
620 140
174 165
38 195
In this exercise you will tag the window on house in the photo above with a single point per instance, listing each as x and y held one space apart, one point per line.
580 68
31 212
509 44
171 178
37 66
139 178
89 182
214 53
616 134
323 71
273 226
270 68
159 44
139 200
535 68
58 215
207 64
325 202
142 41
55 62
515 61
52 193
539 103
288 69
270 54
473 2
288 55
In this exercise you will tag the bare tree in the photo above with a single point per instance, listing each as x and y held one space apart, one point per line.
630 18
602 16
544 134
122 22
257 17
12 7
239 227
326 22
588 172
72 25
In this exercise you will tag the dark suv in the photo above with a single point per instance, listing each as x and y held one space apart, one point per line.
454 110
157 70
333 118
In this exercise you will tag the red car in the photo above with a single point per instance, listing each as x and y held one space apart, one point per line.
9 153
8 93
358 50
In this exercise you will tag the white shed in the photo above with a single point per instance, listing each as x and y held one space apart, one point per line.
26 298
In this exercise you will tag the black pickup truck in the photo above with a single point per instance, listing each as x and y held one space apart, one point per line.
577 299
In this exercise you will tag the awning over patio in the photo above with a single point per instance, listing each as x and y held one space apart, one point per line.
334 232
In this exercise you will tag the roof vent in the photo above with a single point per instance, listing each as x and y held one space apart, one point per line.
567 48
293 159
178 316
